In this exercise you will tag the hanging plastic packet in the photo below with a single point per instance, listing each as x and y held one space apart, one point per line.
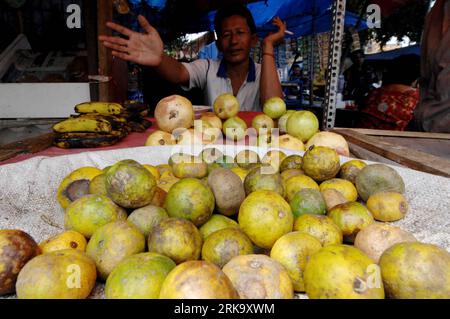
122 6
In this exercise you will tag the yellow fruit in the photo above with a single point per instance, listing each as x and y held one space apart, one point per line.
274 159
177 239
291 143
197 280
81 176
180 157
274 107
195 169
215 223
293 251
342 272
87 214
221 246
247 159
296 183
387 206
282 121
67 240
185 136
265 216
321 163
351 218
212 119
189 198
147 217
226 106
330 139
350 169
62 274
416 271
153 170
264 140
159 138
241 172
291 162
210 155
286 174
167 180
262 122
259 179
235 128
112 243
308 201
138 277
164 168
302 125
129 184
174 112
98 185
346 188
259 277
321 227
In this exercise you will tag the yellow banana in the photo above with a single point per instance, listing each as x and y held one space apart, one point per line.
99 107
83 124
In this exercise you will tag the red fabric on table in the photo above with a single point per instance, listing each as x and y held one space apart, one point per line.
131 140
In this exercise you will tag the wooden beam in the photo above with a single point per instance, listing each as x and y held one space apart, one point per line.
104 14
30 145
92 44
363 154
440 136
405 156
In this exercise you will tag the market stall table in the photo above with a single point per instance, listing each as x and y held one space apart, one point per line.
133 139
421 151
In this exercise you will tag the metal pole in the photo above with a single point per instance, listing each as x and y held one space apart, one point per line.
311 60
337 32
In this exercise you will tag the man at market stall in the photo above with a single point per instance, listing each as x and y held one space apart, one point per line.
252 83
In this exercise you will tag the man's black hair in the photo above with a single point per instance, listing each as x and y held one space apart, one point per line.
234 10
404 69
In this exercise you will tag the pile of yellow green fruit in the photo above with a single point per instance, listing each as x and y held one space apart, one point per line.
295 130
214 226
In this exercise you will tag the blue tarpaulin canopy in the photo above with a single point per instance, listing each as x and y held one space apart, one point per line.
392 54
158 4
303 17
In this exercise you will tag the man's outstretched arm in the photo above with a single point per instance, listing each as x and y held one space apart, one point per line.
145 49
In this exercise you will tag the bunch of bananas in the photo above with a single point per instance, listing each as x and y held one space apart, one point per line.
100 124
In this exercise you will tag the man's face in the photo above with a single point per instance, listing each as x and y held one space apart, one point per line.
236 39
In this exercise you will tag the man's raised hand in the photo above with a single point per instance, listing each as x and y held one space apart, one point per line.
142 48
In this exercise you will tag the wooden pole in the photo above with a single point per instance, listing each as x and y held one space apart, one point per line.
92 44
104 14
